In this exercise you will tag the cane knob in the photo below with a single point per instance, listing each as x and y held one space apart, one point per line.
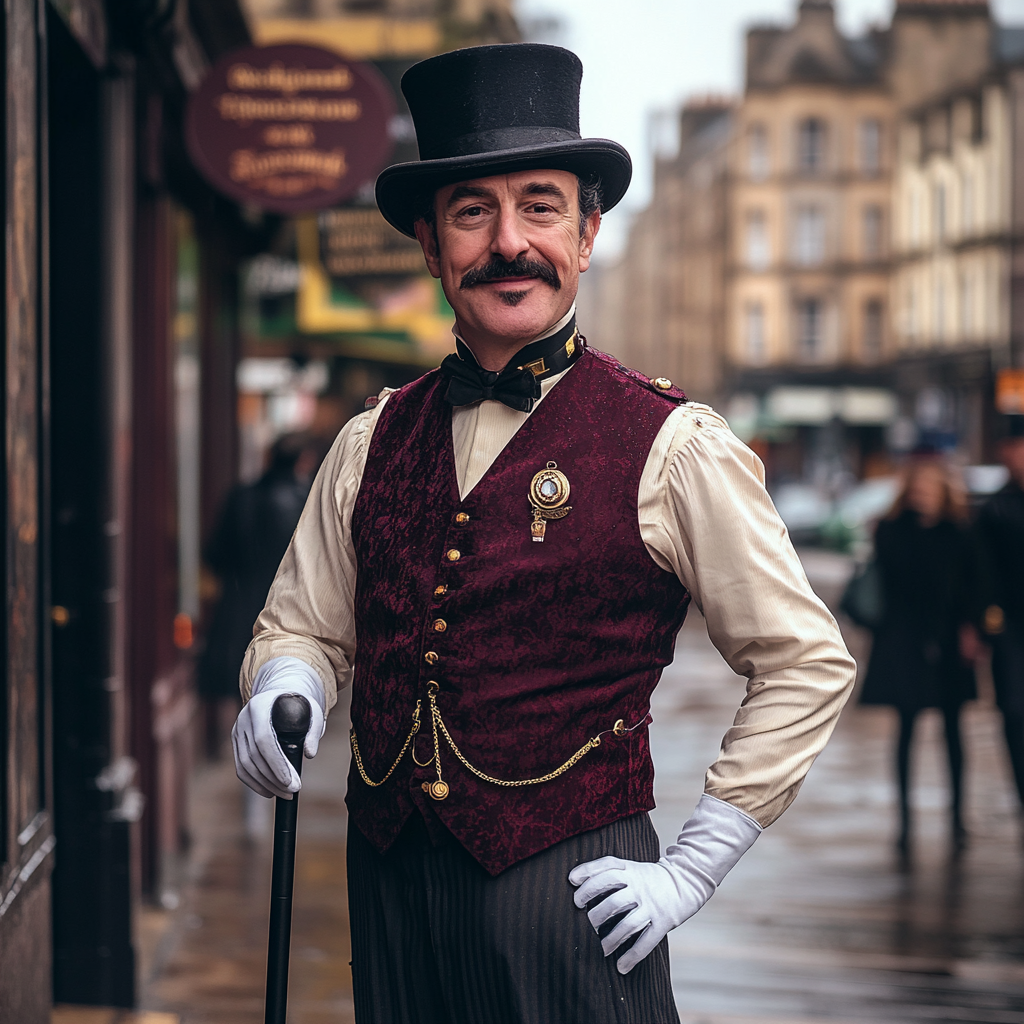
290 717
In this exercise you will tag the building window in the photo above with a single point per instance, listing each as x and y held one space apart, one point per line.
871 228
809 236
870 146
871 342
810 329
939 211
911 310
756 241
753 330
811 145
967 203
757 152
939 310
914 217
966 305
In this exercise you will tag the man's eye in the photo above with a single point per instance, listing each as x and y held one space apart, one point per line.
473 211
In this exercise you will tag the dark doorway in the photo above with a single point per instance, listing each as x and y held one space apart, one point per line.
93 957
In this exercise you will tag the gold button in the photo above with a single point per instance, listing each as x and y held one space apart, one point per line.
453 555
438 790
430 657
662 383
462 517
440 591
440 625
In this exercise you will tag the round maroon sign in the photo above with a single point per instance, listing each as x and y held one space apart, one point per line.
290 128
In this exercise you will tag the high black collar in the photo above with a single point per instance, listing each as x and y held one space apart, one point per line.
544 358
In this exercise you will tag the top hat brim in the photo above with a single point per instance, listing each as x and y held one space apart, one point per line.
403 190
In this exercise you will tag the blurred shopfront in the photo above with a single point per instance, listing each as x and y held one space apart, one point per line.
121 336
159 337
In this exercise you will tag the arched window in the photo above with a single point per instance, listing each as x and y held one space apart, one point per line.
811 145
757 152
871 341
758 254
754 339
810 330
809 236
870 146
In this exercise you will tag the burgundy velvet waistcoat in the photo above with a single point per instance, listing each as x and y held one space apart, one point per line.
545 645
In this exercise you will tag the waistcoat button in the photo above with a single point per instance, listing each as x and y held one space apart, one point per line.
440 625
453 555
440 591
430 657
462 517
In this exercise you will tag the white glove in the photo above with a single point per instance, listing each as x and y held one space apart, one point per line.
657 897
259 760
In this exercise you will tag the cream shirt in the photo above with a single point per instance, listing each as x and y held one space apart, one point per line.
704 514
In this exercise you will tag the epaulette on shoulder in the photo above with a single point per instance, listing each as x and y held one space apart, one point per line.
374 400
660 386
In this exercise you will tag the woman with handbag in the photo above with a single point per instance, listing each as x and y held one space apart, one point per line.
925 642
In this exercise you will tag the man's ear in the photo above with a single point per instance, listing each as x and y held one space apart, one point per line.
587 239
426 235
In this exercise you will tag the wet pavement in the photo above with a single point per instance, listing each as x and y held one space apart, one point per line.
819 922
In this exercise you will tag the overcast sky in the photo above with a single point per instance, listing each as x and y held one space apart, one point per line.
645 55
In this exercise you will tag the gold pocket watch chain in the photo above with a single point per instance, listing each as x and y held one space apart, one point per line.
438 789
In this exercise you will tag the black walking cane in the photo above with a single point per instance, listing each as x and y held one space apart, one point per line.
290 717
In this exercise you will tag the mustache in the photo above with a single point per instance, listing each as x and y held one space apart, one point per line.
498 270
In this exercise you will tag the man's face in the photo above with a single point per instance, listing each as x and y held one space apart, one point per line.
1011 451
509 252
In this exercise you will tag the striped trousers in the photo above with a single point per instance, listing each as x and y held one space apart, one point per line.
437 940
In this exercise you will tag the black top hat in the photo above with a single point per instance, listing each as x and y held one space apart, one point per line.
490 110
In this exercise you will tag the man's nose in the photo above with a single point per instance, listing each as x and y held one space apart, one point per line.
508 241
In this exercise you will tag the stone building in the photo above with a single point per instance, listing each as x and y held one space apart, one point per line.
807 272
661 309
836 260
956 80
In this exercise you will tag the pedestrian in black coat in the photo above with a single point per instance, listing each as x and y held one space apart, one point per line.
248 542
923 648
1001 531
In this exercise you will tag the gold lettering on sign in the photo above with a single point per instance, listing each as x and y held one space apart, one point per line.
361 242
289 135
399 262
288 171
278 78
246 109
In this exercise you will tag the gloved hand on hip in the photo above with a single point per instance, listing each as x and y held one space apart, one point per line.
259 760
657 897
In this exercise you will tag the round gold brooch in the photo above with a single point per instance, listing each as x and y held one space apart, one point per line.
549 488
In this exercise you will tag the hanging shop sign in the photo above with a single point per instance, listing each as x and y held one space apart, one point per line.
358 241
290 128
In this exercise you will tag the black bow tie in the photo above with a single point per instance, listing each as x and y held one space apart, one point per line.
518 385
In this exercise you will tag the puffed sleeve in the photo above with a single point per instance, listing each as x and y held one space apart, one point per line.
309 610
705 515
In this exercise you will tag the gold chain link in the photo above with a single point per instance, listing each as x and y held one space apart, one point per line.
359 757
590 745
437 722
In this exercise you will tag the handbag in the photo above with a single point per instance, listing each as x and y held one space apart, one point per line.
863 599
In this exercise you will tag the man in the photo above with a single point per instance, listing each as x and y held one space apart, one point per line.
1001 527
502 553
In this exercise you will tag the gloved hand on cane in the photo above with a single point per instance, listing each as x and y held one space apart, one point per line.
657 897
259 761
